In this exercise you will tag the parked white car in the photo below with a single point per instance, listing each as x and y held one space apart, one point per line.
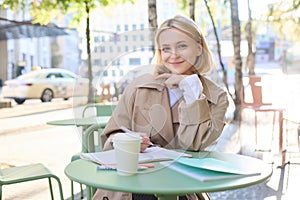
45 84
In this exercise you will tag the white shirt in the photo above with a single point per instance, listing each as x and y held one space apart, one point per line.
190 88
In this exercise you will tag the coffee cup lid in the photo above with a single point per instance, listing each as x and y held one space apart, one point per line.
126 137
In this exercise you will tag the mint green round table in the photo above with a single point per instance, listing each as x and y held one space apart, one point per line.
87 121
162 181
88 124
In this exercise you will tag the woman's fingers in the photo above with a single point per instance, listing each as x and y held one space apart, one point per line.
145 143
172 80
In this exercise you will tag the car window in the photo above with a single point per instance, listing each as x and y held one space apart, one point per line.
66 75
54 75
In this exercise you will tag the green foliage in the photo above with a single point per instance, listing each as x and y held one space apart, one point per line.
283 16
45 11
13 4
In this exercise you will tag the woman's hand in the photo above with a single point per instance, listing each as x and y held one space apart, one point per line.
145 142
172 80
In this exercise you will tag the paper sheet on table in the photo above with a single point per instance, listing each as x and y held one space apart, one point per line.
152 154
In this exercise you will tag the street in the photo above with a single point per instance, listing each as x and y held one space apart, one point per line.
27 139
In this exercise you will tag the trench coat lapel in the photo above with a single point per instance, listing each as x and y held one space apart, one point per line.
159 117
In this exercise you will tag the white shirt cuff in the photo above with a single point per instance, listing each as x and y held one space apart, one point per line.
191 87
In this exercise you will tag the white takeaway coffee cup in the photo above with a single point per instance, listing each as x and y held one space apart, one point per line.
127 148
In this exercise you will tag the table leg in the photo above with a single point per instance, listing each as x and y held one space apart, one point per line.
88 193
166 197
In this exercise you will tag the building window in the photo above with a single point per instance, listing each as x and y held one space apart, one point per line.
134 61
126 48
102 49
133 27
126 27
126 38
142 26
95 49
96 39
111 49
97 62
142 37
119 49
118 28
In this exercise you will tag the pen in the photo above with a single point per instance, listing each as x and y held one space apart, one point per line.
103 167
126 130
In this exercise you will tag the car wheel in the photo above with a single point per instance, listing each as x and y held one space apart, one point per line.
19 101
47 95
66 98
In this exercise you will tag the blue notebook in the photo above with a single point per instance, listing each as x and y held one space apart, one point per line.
217 165
210 169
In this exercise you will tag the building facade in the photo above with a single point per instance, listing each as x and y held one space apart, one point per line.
23 55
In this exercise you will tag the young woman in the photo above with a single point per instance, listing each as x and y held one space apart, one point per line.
176 107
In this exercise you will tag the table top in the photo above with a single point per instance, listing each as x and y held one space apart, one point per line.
162 180
87 121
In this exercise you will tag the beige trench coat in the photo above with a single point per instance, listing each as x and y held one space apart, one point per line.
144 107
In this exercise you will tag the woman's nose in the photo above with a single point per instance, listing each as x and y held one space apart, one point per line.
174 53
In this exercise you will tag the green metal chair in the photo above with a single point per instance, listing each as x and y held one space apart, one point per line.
100 110
26 173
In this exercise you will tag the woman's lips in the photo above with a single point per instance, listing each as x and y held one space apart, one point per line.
176 63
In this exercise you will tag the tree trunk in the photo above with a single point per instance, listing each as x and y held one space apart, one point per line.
88 47
152 18
192 9
236 38
250 62
218 45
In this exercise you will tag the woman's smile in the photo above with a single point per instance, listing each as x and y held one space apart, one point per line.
178 51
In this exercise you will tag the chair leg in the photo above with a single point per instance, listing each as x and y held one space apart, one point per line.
60 187
256 140
72 190
274 117
81 191
50 187
0 192
298 140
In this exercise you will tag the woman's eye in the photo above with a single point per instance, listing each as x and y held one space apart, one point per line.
182 46
166 49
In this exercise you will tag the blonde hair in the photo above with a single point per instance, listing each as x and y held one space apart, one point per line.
190 28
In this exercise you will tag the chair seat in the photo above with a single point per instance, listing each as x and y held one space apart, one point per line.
24 173
264 107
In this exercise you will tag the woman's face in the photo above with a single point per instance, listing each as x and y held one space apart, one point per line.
178 51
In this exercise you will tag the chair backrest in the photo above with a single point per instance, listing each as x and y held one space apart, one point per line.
256 89
256 92
101 109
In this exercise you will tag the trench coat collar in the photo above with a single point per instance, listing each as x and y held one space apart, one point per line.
210 89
